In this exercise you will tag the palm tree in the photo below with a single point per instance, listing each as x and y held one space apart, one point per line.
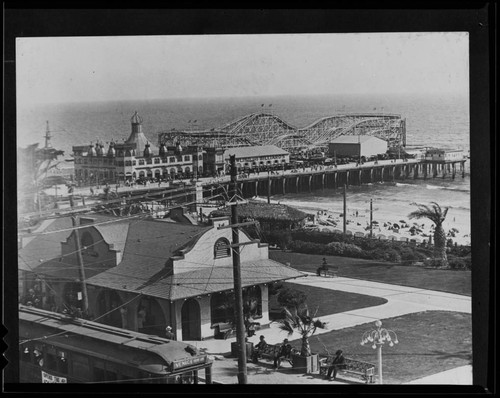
437 215
250 307
298 319
34 165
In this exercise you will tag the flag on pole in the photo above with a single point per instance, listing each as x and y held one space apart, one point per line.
262 105
194 121
270 104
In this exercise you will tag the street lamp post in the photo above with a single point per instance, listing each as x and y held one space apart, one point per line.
378 337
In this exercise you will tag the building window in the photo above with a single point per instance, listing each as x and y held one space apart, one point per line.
187 158
141 162
171 159
87 240
157 160
221 248
81 367
149 161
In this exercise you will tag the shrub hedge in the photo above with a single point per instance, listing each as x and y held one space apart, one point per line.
335 244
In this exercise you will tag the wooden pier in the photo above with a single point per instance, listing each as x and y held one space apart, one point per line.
331 177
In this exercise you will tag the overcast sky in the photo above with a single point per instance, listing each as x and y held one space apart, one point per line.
74 69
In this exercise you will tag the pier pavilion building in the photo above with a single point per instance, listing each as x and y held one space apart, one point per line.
259 156
135 158
357 146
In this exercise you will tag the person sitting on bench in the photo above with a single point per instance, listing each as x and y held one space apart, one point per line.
337 363
284 351
260 346
323 267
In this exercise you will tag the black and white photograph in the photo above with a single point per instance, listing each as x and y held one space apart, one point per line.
263 209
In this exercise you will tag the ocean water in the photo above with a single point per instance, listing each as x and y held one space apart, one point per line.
440 121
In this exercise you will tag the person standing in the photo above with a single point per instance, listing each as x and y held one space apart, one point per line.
169 334
337 363
141 317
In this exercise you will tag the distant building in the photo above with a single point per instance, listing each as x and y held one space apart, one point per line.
357 146
213 160
135 158
270 215
261 156
435 154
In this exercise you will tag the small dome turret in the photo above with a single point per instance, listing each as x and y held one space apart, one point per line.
178 147
92 151
136 119
99 149
147 151
111 150
163 149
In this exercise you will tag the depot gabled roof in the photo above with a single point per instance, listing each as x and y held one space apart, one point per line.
149 247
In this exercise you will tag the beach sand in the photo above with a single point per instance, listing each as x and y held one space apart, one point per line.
361 222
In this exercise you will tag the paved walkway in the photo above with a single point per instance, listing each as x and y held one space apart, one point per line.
401 300
461 375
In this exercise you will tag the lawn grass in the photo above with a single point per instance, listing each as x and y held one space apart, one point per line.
326 301
450 281
429 342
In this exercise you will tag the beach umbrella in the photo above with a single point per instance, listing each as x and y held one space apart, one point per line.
374 222
395 226
402 221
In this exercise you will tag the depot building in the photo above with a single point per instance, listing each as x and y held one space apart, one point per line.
144 275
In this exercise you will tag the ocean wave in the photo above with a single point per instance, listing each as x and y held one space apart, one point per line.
433 187
460 208
452 188
400 184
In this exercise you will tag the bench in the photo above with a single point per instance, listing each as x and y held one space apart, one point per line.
222 330
271 351
329 272
362 369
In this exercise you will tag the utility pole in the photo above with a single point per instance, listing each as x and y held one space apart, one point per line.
345 210
238 292
371 218
85 299
268 186
359 148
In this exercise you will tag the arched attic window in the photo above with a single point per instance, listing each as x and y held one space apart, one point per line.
221 248
86 240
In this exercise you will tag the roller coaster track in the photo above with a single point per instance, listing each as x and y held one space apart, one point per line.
268 129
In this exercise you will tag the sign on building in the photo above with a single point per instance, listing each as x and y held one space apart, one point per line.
48 378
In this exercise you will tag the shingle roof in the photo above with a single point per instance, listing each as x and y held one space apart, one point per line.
195 283
264 211
44 247
42 251
249 151
149 245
